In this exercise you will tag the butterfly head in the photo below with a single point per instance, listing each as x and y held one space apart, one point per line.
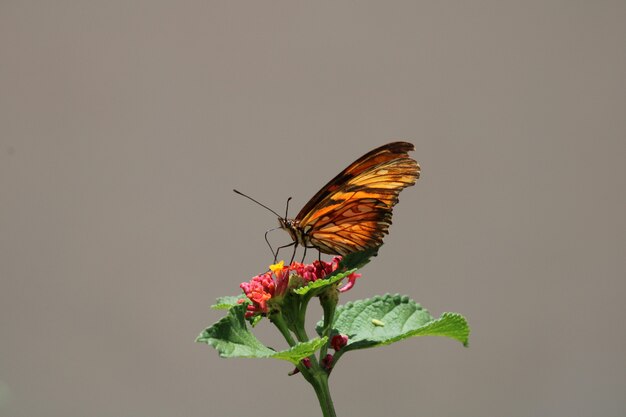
289 225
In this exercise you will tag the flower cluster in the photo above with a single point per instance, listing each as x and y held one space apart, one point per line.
320 269
273 284
316 270
259 290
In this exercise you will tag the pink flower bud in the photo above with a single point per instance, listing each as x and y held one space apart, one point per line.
338 341
327 362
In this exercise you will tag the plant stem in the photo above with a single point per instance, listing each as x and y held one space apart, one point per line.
301 333
279 322
316 375
320 384
329 305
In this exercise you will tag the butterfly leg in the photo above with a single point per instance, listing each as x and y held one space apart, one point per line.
304 254
311 247
269 244
286 246
293 255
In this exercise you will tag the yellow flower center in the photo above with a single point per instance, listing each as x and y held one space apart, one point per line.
277 267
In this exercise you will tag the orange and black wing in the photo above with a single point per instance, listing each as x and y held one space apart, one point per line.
353 211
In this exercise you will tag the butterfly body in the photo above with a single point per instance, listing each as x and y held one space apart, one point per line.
353 211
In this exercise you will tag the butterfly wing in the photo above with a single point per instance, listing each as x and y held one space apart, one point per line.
353 211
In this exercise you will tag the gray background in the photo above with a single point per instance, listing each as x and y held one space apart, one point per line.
125 125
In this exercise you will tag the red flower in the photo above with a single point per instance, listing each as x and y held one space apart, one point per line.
275 283
264 287
320 269
351 280
316 270
282 277
259 290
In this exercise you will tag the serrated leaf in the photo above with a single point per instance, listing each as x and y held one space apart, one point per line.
323 283
224 303
386 319
232 339
296 353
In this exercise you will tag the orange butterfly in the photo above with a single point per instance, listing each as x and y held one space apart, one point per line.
353 211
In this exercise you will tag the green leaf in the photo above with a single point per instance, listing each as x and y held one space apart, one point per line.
232 339
301 350
358 260
224 303
323 283
386 319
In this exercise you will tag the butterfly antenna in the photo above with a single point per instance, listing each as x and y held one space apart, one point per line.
287 209
262 205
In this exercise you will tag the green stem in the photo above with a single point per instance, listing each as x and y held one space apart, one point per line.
281 324
336 357
279 321
320 384
329 315
301 333
316 376
329 305
304 303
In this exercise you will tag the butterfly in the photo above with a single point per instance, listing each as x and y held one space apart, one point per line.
352 213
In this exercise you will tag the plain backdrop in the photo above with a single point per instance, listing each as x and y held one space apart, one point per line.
124 127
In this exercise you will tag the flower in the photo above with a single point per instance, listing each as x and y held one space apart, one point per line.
264 289
259 290
277 267
281 272
316 270
351 280
320 269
